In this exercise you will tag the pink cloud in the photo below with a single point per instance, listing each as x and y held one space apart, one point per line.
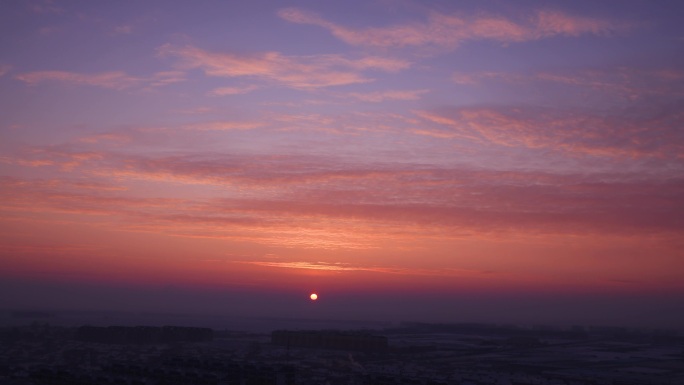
294 71
450 30
332 203
478 77
381 96
461 198
225 91
76 197
117 137
629 83
164 78
196 110
53 156
652 134
223 126
551 23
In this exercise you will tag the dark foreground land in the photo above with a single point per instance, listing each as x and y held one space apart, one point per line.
463 354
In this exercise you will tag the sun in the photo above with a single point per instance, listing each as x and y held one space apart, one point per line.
313 296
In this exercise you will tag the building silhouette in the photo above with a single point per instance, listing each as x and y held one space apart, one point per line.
143 334
327 339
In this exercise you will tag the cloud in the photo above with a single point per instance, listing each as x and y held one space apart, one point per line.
196 110
164 78
628 83
304 72
550 23
451 30
116 80
223 126
46 7
69 197
113 80
117 137
346 267
308 265
326 202
124 29
474 78
66 159
4 69
225 91
295 199
646 131
381 96
631 84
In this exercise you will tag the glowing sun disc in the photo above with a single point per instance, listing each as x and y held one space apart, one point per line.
313 296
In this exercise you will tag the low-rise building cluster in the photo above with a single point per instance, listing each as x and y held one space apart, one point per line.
413 354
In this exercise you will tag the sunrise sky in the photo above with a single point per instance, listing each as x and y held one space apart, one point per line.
426 160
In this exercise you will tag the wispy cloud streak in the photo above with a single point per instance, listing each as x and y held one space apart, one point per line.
114 80
346 267
655 133
381 96
294 71
630 83
305 192
225 91
451 30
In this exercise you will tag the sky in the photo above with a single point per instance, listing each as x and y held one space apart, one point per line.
419 160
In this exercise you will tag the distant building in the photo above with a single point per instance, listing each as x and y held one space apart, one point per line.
330 340
143 334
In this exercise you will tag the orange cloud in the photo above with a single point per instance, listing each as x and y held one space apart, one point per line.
52 156
450 30
342 267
